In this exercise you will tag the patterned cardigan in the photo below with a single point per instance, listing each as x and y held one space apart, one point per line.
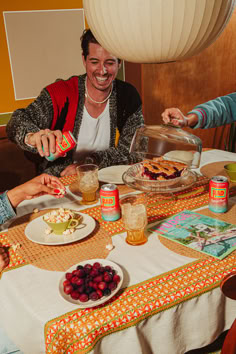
125 115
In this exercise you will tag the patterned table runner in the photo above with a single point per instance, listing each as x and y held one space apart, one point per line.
159 207
136 303
78 331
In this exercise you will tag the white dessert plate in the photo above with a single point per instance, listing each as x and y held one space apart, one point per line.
112 174
35 232
102 300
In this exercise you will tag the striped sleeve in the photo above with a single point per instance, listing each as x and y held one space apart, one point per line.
217 112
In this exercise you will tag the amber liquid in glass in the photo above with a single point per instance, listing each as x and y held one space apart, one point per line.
89 197
136 237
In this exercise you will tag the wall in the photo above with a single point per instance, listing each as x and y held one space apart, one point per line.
14 167
13 41
187 83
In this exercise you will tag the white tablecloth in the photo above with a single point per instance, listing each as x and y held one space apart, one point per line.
29 297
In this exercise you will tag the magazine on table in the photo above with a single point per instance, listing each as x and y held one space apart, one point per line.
199 232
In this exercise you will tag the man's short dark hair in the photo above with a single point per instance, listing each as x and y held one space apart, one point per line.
86 38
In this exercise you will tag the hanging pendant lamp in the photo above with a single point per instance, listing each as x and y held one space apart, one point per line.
155 31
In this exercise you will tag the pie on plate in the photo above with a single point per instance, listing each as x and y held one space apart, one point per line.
159 169
157 174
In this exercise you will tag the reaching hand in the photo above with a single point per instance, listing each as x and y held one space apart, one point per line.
175 117
45 141
40 185
69 170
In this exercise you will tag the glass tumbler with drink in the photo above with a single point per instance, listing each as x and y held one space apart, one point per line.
88 182
134 216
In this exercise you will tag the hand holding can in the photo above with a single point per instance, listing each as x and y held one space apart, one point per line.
68 143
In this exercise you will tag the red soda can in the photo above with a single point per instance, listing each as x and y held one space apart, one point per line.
109 198
67 144
218 194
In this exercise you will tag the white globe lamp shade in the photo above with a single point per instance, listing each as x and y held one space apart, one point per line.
155 31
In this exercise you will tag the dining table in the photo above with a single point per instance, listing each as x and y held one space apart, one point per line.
170 299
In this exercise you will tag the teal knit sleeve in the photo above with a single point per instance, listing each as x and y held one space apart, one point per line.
214 113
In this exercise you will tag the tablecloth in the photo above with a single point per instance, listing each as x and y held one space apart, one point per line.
32 306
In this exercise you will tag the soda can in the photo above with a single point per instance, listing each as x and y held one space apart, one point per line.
67 144
109 198
218 194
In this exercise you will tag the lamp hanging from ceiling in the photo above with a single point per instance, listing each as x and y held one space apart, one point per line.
155 31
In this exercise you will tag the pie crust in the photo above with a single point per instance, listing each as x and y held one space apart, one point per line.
159 169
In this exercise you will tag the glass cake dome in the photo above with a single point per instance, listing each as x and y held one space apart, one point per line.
166 158
167 141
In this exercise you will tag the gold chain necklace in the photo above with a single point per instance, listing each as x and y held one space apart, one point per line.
87 94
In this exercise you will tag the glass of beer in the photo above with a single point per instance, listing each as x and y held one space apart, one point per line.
134 216
88 182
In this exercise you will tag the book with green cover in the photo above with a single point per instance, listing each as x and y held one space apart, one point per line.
202 233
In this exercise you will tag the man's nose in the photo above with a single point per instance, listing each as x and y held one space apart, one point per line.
102 69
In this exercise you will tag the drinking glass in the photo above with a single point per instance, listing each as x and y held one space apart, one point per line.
134 216
88 182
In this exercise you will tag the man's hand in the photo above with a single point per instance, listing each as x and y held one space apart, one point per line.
69 170
40 185
45 139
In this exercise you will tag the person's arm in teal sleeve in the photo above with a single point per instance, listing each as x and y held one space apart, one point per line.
215 113
211 114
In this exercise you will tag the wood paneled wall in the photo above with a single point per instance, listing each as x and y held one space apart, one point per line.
187 83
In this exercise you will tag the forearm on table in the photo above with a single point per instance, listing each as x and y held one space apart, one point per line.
15 196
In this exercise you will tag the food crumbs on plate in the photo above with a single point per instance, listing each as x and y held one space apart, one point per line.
48 231
15 246
109 247
68 231
35 210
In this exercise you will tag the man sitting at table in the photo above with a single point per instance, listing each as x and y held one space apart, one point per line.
101 111
211 114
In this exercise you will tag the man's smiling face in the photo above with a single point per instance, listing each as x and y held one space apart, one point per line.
101 68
